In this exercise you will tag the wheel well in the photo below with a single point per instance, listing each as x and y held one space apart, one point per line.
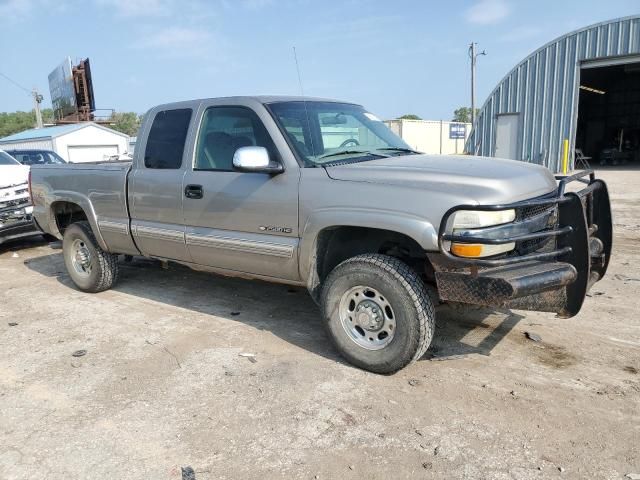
67 213
336 244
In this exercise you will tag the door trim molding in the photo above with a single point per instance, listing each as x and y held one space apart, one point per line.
240 245
158 233
113 227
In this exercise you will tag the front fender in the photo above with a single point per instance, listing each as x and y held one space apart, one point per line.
417 228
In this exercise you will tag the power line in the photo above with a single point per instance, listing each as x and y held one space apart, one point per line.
16 83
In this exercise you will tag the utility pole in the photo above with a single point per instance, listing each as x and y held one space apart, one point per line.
37 100
474 56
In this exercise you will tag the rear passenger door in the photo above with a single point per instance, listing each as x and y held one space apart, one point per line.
246 222
155 193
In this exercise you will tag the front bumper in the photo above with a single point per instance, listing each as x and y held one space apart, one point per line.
20 229
555 278
16 219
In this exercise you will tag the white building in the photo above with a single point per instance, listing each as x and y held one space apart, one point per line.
132 144
78 142
432 136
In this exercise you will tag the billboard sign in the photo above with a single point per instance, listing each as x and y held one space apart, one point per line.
62 89
87 73
457 130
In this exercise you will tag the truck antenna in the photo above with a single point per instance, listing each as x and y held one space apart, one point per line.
295 57
304 101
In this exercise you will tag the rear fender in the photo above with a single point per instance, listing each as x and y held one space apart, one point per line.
85 204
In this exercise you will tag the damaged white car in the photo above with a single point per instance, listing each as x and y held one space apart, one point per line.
15 204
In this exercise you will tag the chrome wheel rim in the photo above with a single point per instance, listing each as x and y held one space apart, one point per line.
367 317
80 258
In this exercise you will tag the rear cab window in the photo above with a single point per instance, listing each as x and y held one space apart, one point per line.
166 139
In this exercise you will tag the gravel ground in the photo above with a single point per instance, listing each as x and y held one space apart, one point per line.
164 383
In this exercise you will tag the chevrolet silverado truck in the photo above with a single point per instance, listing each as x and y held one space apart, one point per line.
321 194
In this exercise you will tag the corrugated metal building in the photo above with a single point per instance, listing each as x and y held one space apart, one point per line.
78 142
583 87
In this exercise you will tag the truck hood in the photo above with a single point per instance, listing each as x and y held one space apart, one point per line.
13 175
477 179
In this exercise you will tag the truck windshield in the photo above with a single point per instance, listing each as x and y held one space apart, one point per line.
330 132
6 159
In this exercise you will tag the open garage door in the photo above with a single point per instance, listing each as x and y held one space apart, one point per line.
91 153
608 128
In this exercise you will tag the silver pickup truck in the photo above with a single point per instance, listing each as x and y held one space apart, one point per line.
320 193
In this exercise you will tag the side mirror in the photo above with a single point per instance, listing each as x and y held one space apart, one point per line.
255 159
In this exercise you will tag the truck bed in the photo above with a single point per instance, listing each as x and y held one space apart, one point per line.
100 188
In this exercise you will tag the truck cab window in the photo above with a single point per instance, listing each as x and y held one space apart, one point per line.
224 130
165 144
322 132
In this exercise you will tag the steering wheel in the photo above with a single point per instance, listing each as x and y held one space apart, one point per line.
350 142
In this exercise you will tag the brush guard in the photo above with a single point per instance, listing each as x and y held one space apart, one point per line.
555 279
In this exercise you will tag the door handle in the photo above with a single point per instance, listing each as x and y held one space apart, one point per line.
193 191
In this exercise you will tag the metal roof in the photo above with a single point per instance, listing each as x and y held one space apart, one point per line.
52 132
543 89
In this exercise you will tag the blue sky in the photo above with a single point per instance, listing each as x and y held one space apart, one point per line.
395 57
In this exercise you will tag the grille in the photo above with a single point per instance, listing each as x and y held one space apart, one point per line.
523 213
12 204
539 244
15 203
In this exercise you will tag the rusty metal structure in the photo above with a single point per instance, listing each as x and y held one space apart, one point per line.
72 94
85 101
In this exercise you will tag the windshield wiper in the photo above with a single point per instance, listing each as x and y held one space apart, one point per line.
349 152
397 149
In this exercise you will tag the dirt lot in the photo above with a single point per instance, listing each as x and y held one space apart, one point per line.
163 384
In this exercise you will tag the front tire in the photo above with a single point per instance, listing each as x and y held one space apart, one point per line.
91 268
378 312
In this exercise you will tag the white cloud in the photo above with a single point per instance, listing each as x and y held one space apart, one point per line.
256 4
521 34
178 41
488 12
247 4
10 9
15 10
137 8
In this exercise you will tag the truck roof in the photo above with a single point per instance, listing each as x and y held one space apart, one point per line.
264 99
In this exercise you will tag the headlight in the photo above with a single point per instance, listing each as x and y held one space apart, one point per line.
468 220
479 219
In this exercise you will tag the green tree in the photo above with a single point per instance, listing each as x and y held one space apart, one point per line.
14 122
126 122
409 116
463 115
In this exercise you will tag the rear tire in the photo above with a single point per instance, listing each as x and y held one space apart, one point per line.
378 312
91 268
